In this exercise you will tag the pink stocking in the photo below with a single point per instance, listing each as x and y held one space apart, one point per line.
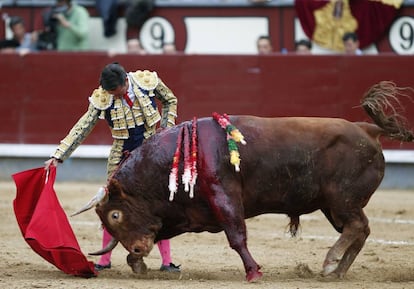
164 247
105 258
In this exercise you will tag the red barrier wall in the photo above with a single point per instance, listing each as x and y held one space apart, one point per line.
44 94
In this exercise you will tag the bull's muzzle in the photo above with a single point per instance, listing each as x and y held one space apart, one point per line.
141 248
99 197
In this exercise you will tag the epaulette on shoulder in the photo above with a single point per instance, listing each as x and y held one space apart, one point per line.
101 99
147 80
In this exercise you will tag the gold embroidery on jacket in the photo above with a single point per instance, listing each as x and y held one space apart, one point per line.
151 115
115 156
169 104
146 79
101 99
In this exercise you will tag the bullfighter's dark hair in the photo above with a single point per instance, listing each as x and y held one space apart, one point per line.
112 76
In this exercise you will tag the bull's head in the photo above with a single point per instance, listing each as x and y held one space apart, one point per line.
126 218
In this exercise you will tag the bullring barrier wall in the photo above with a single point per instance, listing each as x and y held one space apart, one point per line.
43 94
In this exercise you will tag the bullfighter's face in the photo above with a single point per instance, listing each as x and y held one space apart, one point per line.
128 221
120 90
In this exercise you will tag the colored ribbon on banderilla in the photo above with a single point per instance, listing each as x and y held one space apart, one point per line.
233 137
189 176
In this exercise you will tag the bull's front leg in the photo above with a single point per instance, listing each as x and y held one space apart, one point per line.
228 209
236 236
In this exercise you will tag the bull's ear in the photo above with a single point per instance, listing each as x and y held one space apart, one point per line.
114 188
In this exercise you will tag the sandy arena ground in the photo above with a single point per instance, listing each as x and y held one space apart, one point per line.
207 261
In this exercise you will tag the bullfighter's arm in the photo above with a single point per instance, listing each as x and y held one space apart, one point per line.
77 134
169 104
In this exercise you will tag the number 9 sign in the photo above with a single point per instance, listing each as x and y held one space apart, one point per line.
155 32
401 35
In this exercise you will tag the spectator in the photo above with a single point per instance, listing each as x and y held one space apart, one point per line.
137 12
303 46
134 46
169 48
71 23
264 45
351 43
26 41
108 10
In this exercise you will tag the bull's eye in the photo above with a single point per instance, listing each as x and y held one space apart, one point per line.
115 217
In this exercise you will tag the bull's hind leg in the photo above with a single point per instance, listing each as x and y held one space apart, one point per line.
229 211
344 251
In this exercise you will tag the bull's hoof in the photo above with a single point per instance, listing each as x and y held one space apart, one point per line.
330 277
329 269
253 276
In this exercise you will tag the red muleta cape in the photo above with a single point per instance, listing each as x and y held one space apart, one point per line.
44 224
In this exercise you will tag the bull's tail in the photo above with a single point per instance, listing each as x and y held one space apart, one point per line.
382 104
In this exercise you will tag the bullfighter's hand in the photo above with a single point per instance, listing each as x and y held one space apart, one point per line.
160 129
51 162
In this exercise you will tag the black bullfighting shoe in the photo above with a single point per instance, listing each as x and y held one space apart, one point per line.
99 267
170 268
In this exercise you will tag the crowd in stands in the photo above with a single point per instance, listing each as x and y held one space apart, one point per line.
66 29
304 46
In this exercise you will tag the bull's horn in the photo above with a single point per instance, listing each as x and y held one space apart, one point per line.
112 244
100 195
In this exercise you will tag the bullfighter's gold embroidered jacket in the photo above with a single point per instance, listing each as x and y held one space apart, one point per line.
146 85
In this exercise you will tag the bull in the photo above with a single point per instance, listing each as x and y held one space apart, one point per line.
290 165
